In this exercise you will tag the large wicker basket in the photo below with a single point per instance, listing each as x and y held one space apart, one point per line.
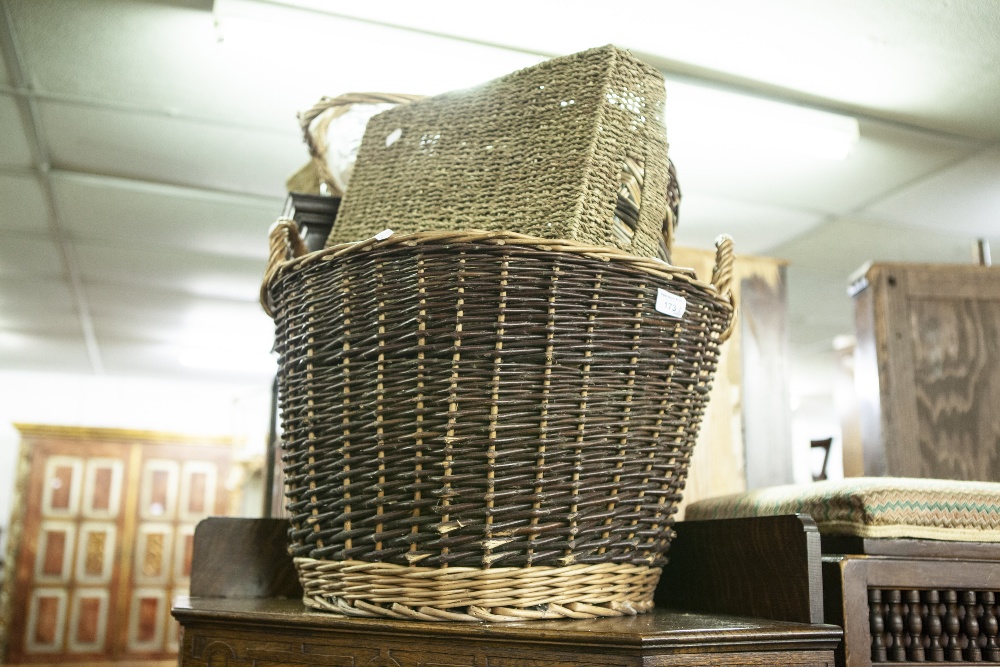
487 425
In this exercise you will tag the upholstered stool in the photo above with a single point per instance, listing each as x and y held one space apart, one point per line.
911 567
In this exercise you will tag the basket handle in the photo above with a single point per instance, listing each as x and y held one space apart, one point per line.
286 244
722 279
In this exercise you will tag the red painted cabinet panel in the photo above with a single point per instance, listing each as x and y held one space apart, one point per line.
103 541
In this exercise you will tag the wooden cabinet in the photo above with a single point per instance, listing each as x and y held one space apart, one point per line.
281 633
908 601
927 370
250 614
103 541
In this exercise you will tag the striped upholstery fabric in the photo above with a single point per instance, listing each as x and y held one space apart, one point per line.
874 507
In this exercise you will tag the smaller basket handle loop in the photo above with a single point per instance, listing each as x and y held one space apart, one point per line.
286 244
722 278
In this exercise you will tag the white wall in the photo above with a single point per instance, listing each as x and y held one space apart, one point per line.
815 418
240 411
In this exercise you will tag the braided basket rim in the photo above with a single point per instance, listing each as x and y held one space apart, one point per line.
287 256
502 594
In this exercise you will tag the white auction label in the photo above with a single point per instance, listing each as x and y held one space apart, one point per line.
670 304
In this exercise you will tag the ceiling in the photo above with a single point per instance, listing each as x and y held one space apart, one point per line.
145 147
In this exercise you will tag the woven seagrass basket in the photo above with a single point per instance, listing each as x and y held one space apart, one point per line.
486 425
542 151
316 120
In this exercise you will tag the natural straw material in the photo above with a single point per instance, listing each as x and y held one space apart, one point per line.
356 588
487 400
539 151
316 120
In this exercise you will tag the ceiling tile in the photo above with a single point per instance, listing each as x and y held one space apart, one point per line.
126 53
197 274
37 306
158 360
963 201
143 330
143 216
171 150
140 313
14 149
42 353
822 260
934 63
22 204
885 158
29 256
4 76
838 248
754 227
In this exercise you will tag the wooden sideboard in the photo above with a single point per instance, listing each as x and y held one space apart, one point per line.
280 633
245 612
904 601
102 541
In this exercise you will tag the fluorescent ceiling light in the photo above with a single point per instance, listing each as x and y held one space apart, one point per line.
700 118
232 360
311 47
226 337
309 50
13 341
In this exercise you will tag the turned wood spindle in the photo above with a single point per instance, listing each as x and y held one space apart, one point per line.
914 627
896 626
991 651
932 626
972 652
876 620
952 626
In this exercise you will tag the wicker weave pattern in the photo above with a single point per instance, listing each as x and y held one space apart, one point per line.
327 110
355 588
539 152
488 399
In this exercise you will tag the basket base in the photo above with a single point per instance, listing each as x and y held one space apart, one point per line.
385 590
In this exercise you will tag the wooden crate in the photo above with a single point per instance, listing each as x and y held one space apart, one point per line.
927 370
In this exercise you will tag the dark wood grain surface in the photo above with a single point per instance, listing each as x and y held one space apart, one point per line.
659 628
764 567
234 630
909 548
243 558
914 603
283 632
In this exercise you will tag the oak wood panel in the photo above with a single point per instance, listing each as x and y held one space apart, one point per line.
47 618
932 335
766 413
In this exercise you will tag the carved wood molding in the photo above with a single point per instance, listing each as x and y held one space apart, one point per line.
14 529
119 434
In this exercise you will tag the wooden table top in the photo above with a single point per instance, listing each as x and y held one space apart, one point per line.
662 628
